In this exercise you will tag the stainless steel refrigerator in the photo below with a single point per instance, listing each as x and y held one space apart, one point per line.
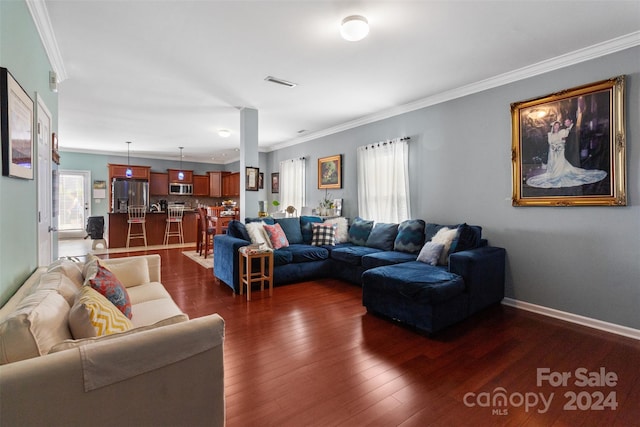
129 192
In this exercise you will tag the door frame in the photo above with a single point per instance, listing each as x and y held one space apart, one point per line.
44 220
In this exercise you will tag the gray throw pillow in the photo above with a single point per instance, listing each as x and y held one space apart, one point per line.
430 253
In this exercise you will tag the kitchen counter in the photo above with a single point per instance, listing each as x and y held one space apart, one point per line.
155 224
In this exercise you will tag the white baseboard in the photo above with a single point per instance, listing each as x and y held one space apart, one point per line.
574 318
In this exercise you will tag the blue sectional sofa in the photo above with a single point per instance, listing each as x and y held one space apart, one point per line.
383 259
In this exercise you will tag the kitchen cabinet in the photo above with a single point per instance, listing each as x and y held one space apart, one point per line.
215 184
159 184
173 176
200 185
231 184
120 171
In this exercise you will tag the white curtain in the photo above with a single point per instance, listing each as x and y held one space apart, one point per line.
383 181
292 183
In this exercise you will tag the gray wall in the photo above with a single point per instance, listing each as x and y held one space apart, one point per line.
22 53
582 260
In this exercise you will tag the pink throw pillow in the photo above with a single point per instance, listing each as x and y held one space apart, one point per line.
276 236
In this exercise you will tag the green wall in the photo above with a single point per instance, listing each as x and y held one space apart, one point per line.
23 54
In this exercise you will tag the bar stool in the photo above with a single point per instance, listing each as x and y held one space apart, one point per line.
206 232
174 216
137 216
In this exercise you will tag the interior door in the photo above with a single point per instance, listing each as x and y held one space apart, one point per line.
45 229
74 199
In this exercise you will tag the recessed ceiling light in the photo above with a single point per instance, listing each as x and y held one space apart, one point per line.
354 28
224 133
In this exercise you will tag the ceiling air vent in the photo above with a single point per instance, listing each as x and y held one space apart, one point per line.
280 81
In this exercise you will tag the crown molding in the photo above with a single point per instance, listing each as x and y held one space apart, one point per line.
40 15
562 61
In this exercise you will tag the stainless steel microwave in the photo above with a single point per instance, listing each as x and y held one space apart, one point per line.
181 189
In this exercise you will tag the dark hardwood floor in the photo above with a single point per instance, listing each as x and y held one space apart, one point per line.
312 356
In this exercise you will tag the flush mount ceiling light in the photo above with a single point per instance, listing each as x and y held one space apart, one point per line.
354 28
224 133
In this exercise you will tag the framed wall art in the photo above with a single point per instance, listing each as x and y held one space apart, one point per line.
261 180
568 148
330 172
275 182
251 182
16 128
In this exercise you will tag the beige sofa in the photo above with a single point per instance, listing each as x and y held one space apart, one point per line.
166 370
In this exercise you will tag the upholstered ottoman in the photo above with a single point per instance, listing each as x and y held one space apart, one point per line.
418 294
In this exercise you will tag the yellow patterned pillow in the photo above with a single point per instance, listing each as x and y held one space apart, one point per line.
93 315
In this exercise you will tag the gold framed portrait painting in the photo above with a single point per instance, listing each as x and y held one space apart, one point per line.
568 148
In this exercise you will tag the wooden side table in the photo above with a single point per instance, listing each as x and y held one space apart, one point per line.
264 273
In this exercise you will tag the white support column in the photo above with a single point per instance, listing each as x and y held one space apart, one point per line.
248 158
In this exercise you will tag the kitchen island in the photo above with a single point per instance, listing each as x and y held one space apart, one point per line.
155 224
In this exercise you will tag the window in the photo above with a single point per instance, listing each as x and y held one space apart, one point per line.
383 181
292 183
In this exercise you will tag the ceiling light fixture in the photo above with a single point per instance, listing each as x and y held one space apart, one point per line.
282 82
354 28
128 173
180 172
224 133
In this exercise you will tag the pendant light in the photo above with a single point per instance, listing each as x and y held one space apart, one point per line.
128 173
180 173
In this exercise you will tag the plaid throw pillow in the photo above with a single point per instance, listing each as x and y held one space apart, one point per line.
324 234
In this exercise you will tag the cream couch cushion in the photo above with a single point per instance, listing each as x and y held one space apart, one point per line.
39 322
149 312
147 292
73 270
130 272
60 283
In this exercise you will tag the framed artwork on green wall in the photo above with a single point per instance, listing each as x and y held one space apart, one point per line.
16 128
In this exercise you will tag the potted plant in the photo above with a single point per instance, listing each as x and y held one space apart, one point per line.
326 205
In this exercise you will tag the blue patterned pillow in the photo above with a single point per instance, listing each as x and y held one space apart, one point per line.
382 236
359 231
410 236
305 227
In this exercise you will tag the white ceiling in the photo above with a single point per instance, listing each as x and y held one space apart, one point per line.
165 74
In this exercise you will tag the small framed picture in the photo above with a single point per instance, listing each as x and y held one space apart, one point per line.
251 182
330 172
275 182
261 180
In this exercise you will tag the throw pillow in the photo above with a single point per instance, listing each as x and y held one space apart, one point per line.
430 253
410 236
445 236
90 267
382 236
323 235
37 324
465 240
108 285
130 272
276 236
291 228
92 315
305 227
359 231
342 230
73 270
257 234
238 229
